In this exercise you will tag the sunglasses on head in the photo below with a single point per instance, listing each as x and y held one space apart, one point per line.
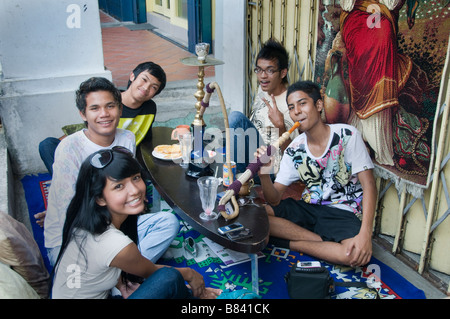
102 158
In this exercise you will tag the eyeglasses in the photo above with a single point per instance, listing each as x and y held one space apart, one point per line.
102 158
268 71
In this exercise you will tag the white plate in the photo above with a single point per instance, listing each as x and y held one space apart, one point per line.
164 157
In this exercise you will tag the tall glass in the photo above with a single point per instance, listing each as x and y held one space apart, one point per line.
186 148
208 192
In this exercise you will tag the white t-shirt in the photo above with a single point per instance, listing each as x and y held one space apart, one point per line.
75 280
69 156
330 179
265 127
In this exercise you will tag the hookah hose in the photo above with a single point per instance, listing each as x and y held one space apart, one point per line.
252 170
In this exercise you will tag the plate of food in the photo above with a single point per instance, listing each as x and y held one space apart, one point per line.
167 152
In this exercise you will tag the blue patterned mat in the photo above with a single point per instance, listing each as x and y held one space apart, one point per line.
274 264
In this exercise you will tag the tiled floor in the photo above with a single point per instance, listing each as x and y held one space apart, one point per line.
124 49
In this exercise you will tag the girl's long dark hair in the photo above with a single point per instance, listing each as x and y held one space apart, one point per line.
84 213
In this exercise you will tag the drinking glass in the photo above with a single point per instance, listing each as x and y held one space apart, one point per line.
186 148
208 192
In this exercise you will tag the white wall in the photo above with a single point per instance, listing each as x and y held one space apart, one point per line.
230 37
47 48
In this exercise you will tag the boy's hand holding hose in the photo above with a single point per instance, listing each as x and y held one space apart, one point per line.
252 170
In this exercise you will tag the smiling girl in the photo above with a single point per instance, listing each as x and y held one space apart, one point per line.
96 255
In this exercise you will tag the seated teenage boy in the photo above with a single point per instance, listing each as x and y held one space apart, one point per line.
333 221
269 116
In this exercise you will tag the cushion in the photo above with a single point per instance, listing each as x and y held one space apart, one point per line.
19 250
72 128
13 286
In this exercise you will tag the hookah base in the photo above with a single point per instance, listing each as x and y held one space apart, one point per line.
198 170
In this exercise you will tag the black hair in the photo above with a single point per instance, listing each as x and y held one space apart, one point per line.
84 213
309 87
95 84
155 70
274 50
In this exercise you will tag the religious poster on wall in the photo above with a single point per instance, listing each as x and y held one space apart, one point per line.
380 64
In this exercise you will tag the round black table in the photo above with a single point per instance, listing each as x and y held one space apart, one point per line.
181 192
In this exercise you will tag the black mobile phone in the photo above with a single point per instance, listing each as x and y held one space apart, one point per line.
229 228
240 234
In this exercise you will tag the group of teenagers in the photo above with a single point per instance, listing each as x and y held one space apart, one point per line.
103 243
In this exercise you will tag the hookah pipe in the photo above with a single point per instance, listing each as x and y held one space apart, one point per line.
252 170
210 87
